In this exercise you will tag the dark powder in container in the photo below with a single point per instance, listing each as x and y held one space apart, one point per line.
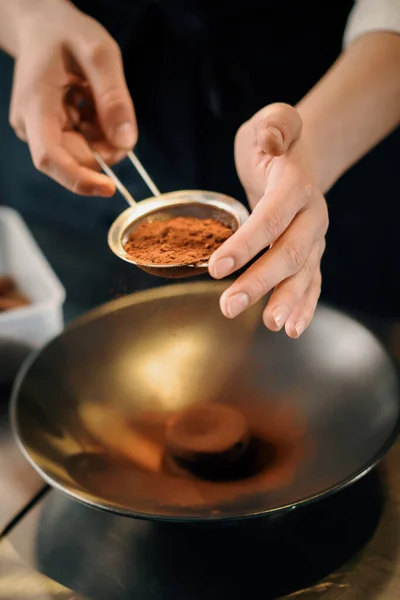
185 240
10 296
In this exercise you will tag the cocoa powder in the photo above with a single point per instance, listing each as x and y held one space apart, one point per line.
181 240
10 295
284 444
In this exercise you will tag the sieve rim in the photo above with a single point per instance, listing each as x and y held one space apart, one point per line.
117 231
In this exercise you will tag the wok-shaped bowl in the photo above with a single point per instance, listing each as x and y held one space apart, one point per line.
91 409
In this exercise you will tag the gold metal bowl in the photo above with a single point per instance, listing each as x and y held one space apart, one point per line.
91 410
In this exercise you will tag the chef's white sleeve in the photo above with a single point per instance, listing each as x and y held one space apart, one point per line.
368 16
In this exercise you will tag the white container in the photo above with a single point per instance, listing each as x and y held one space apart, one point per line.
21 258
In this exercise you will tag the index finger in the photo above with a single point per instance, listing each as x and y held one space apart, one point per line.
44 125
270 218
100 59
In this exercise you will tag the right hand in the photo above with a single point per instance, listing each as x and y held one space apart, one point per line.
61 49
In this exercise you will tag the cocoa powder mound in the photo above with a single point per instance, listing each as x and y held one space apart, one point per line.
178 240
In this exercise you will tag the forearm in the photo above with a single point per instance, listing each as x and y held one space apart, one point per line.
354 106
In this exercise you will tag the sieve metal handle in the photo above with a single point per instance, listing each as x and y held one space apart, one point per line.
118 183
143 173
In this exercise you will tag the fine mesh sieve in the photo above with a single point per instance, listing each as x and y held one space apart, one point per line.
161 207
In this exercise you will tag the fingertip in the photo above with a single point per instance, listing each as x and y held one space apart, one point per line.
99 185
220 267
105 192
105 185
296 329
124 135
280 315
211 269
269 321
291 331
223 304
234 303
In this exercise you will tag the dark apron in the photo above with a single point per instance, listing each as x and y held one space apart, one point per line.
196 71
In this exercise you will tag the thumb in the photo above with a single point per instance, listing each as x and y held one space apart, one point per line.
104 71
276 127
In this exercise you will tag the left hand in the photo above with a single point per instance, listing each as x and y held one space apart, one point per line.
289 221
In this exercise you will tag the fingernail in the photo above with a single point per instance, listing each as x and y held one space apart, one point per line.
237 304
300 327
222 267
124 135
280 315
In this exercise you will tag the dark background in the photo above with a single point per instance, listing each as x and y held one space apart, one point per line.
196 71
